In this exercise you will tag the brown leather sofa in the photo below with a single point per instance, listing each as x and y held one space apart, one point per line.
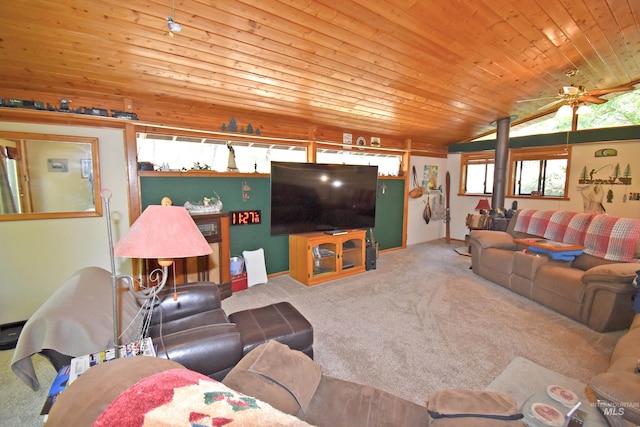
593 290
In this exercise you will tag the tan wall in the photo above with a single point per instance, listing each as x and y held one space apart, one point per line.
37 256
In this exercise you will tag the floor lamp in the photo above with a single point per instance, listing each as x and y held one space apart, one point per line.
162 233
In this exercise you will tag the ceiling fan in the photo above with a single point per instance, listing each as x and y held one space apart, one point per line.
574 95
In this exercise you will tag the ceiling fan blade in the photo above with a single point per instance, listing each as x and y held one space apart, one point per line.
551 104
600 92
535 99
592 99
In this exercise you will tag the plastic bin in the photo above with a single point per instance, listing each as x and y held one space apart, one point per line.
237 265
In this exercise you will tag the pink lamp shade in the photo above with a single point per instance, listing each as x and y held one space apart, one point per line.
163 232
483 205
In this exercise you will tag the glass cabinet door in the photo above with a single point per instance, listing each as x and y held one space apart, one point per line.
324 259
351 254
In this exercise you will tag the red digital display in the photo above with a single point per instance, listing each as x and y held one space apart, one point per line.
246 217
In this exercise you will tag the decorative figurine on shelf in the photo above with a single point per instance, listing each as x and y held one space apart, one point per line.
198 167
206 205
231 164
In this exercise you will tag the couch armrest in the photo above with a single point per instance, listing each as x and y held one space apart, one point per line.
612 273
492 239
622 390
607 304
193 298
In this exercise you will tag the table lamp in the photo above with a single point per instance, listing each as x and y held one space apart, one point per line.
162 233
483 205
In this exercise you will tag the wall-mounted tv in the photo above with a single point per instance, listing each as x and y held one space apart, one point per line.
308 197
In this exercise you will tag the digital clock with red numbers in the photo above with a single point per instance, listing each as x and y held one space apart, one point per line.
246 217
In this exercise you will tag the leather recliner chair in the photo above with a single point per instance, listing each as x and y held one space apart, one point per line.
193 329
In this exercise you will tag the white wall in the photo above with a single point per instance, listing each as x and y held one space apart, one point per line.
37 256
417 230
581 155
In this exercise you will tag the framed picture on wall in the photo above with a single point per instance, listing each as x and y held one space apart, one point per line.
430 177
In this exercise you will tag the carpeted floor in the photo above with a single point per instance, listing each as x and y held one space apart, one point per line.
421 322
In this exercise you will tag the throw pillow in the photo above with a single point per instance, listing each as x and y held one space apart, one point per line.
286 379
180 397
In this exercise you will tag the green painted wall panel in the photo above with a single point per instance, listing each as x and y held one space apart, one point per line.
389 210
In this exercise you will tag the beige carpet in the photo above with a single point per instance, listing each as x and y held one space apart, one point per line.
421 322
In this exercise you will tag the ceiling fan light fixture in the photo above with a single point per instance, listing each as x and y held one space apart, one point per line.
564 111
174 27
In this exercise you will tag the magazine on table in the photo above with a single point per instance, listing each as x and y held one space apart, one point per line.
80 364
69 373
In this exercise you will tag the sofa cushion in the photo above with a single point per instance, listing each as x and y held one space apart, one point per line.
585 262
286 379
560 280
498 259
344 403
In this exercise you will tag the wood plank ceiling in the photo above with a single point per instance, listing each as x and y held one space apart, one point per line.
437 72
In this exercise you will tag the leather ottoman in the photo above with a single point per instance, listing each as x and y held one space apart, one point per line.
281 322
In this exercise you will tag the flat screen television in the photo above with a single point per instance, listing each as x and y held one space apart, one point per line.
308 197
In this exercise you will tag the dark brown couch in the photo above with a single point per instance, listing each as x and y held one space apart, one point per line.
590 289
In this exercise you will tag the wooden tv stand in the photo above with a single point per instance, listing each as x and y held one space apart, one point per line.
318 257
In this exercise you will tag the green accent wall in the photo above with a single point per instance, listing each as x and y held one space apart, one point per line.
389 210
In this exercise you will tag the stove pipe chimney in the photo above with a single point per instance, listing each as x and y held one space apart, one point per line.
500 167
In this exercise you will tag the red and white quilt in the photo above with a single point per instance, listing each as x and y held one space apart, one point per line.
611 238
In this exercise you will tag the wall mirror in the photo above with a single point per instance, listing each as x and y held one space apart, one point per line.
48 176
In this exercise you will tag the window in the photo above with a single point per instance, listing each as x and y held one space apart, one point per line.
539 172
388 164
477 173
170 152
620 110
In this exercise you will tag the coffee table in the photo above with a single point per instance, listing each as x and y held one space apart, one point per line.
592 417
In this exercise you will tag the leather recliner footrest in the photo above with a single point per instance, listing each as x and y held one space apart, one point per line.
281 322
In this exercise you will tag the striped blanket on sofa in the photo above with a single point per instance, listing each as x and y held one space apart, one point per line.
612 238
